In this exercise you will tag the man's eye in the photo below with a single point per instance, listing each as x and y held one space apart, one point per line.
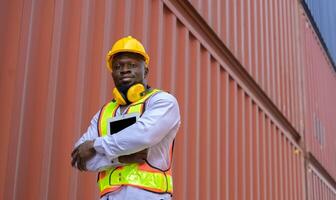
132 65
117 66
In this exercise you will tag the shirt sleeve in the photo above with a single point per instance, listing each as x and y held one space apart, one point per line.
160 117
91 132
99 162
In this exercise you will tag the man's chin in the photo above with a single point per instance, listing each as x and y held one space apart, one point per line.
126 84
126 81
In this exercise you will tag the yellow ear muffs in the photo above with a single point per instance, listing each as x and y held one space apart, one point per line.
136 92
119 97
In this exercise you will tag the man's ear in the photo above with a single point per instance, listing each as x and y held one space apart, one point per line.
146 71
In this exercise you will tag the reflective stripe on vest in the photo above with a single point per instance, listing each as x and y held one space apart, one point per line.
138 175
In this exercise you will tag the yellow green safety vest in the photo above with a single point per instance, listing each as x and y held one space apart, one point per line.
144 175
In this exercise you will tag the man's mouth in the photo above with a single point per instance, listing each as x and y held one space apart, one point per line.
126 79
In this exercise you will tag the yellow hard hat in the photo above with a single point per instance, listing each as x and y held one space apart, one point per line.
126 44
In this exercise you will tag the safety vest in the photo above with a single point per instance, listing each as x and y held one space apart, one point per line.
144 175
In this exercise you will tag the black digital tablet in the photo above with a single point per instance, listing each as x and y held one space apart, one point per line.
117 124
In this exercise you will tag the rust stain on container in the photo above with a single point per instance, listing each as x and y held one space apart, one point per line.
239 103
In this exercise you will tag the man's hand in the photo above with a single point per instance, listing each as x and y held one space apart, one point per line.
81 154
138 157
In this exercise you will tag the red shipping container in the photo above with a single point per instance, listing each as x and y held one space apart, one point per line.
241 134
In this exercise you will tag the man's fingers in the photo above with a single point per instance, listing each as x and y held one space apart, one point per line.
81 154
75 151
81 164
74 160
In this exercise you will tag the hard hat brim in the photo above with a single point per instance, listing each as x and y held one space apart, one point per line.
111 54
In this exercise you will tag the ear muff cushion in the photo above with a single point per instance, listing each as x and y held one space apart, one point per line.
119 97
135 92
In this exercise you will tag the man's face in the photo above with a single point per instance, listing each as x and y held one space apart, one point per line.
128 69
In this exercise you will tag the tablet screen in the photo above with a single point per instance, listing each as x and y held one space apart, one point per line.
118 125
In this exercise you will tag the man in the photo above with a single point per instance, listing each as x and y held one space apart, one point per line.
133 162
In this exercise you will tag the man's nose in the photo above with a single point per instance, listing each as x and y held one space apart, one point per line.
125 68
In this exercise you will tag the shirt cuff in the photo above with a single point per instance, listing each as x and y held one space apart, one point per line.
98 146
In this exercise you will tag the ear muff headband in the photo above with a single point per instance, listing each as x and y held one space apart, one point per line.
119 97
134 93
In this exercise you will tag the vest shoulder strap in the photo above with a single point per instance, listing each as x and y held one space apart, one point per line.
146 97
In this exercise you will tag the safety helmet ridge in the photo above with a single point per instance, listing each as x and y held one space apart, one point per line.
126 44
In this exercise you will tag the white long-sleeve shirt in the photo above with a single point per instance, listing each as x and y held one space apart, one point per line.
155 130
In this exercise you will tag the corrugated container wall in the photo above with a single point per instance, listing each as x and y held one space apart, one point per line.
320 111
242 111
318 187
323 14
263 36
